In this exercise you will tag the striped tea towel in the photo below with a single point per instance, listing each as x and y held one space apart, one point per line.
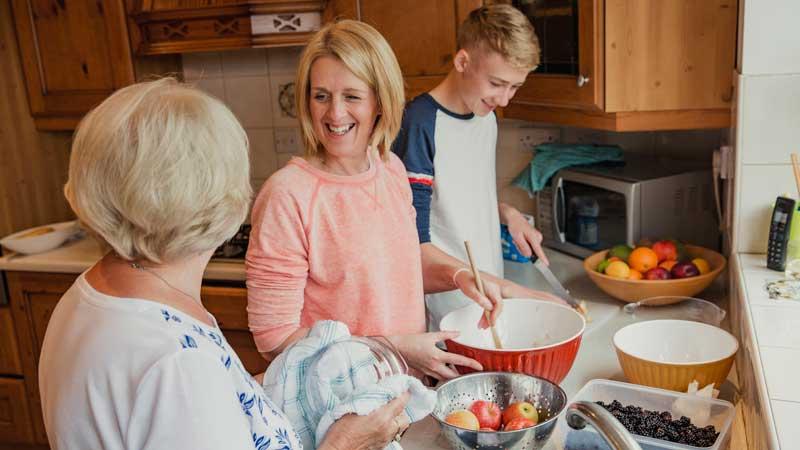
316 383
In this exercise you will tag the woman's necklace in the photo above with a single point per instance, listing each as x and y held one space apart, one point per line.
138 266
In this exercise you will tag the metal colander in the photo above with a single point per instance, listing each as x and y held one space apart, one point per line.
502 388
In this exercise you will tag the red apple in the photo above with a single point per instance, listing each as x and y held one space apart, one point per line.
685 270
657 273
488 414
665 250
520 409
488 429
519 423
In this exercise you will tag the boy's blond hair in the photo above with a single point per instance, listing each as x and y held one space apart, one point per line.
503 29
370 58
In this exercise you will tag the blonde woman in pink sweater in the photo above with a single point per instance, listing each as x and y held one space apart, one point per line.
334 234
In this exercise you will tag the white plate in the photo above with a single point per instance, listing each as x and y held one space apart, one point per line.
43 242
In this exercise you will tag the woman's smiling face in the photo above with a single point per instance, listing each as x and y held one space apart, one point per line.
343 109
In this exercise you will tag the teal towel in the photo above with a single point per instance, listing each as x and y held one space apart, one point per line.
550 158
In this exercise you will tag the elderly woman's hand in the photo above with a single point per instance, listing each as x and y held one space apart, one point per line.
493 300
373 431
421 353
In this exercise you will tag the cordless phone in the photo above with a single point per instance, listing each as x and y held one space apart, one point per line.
779 233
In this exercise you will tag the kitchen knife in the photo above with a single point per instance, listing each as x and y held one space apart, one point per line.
556 285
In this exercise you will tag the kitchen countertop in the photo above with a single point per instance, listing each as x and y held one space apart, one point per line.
770 341
596 357
79 255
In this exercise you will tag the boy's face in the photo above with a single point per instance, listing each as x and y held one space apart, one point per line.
487 80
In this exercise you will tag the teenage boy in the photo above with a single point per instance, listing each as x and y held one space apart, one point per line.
447 142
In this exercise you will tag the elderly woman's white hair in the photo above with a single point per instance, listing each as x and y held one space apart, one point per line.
160 171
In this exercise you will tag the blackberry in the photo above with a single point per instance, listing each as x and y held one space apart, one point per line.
659 425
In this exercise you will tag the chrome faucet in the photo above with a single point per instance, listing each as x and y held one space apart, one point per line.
581 412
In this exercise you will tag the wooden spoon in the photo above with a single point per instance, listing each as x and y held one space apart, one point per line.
477 274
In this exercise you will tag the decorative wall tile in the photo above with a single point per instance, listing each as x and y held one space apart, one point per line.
245 62
263 160
202 65
284 113
212 86
249 99
284 60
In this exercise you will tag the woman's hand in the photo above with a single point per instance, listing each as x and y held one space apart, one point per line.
421 353
492 301
371 432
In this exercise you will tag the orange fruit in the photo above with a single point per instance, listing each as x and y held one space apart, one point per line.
702 265
643 259
618 269
635 275
668 264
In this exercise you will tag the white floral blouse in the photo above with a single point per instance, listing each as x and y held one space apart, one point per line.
134 374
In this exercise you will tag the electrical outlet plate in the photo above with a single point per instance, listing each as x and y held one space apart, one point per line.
529 138
287 140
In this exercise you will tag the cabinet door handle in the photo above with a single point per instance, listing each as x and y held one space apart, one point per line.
582 80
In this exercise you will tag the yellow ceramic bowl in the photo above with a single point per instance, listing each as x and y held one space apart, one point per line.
635 290
670 354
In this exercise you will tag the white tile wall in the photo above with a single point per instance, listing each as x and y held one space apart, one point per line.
758 186
249 81
768 118
771 37
786 415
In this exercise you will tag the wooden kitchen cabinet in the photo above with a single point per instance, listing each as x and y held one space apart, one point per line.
9 352
34 296
631 65
422 34
74 54
15 419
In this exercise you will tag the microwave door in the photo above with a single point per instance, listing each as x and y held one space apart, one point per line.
595 213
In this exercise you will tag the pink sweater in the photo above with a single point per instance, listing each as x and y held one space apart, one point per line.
325 247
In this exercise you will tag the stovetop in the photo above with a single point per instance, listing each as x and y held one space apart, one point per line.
235 248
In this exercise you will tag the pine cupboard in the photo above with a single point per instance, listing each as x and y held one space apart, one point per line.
631 65
74 54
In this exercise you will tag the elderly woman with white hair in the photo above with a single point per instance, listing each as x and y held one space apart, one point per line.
131 358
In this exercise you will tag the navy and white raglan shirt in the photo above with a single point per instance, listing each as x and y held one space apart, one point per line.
450 160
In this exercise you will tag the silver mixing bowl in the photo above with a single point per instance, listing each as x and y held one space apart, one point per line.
502 388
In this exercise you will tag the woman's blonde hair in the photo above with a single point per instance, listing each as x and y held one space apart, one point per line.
368 56
503 29
160 171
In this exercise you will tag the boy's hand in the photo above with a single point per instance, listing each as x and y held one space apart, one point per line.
527 239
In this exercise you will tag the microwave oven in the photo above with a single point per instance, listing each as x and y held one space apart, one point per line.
591 208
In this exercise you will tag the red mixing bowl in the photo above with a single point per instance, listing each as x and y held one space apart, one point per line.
539 338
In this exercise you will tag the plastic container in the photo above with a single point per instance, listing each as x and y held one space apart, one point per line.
720 413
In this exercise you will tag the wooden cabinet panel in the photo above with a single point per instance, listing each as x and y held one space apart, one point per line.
74 55
15 419
422 33
33 297
9 353
242 343
228 305
643 65
674 55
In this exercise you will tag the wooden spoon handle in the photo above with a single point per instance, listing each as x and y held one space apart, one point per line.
477 274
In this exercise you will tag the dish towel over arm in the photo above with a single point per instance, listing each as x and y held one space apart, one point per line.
550 158
315 383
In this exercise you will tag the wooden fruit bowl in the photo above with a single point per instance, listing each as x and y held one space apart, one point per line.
635 290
